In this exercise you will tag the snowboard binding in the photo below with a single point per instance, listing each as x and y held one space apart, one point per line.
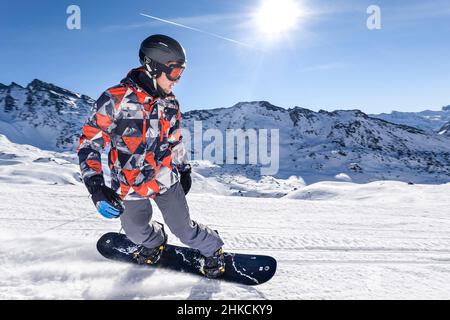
144 255
214 266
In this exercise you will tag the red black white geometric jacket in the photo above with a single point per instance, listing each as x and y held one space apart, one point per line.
142 128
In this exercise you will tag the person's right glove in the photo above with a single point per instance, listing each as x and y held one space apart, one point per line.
106 200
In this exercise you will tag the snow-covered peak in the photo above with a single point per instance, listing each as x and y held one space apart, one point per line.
15 85
42 114
258 106
37 85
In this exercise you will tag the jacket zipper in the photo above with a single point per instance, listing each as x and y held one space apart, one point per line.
144 131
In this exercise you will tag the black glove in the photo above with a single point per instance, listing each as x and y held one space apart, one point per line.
106 200
185 179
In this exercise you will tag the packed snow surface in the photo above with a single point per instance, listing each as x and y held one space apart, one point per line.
332 240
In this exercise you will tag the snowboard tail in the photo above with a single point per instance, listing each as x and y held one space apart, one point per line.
239 268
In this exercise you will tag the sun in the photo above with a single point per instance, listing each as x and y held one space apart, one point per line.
275 17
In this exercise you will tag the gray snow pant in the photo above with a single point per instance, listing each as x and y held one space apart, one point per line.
172 203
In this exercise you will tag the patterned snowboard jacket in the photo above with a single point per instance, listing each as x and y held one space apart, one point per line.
143 131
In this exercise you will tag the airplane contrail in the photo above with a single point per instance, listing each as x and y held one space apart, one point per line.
195 29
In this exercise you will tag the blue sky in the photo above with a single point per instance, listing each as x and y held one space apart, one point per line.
329 61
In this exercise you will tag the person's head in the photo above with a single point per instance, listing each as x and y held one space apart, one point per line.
164 60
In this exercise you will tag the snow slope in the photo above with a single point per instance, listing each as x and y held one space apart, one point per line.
25 164
326 249
344 241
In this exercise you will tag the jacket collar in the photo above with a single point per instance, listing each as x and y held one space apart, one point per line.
138 79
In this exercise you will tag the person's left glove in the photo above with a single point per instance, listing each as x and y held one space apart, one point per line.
185 179
106 200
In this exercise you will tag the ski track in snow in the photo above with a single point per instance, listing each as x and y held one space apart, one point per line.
374 248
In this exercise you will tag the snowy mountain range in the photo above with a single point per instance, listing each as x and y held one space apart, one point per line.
346 145
42 114
342 145
428 120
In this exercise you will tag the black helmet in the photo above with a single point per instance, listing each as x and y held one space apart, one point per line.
161 49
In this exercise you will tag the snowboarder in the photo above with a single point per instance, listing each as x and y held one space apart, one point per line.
140 120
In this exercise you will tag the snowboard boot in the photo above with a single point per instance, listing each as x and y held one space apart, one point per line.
144 255
214 266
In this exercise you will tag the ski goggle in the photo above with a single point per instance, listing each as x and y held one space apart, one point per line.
173 71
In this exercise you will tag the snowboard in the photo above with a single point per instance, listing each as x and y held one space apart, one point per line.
243 269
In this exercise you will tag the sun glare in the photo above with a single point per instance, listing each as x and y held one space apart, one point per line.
277 16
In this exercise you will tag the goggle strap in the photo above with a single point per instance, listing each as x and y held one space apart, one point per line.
163 68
